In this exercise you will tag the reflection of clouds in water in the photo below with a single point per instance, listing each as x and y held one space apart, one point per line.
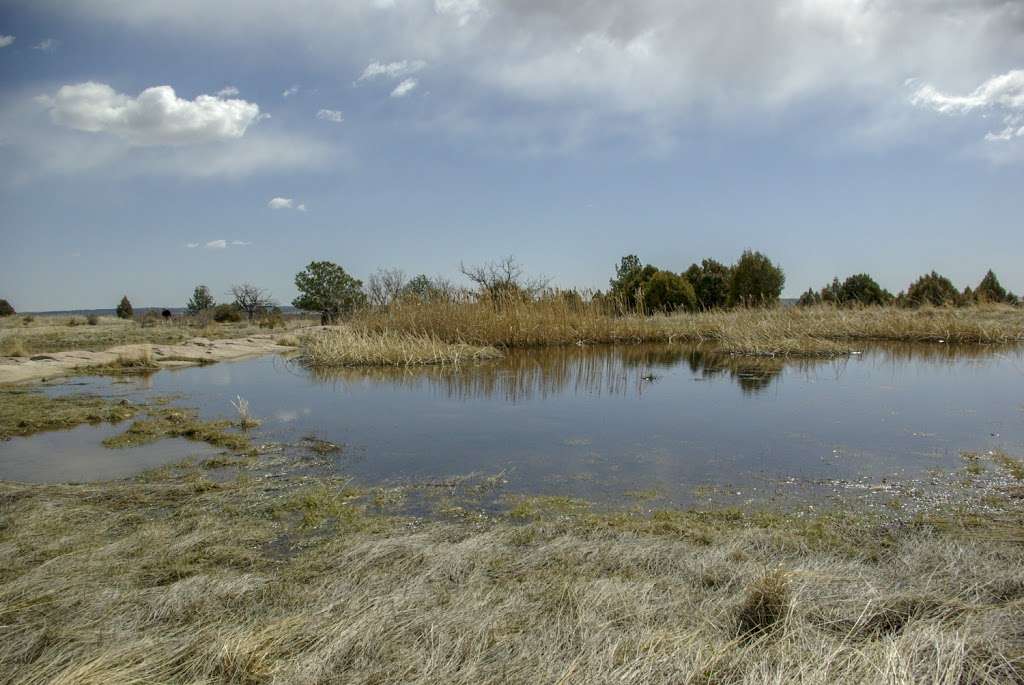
290 415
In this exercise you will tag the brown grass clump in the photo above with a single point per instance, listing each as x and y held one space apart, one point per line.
346 346
13 347
811 331
765 605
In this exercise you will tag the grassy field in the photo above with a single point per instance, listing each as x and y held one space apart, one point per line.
29 335
807 331
175 577
346 346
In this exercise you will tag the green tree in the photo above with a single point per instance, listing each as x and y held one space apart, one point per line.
862 289
668 292
200 301
325 287
990 289
124 309
6 309
420 288
932 289
755 280
809 299
710 281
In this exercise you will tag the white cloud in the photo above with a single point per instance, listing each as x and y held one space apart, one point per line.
6 40
391 70
404 88
227 92
240 243
155 117
281 203
330 115
47 45
288 92
191 245
217 244
461 10
1003 93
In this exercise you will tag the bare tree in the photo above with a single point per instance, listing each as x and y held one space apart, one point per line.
250 299
383 287
503 278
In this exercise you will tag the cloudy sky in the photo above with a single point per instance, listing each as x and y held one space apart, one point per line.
147 146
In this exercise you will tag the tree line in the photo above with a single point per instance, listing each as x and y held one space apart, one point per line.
929 289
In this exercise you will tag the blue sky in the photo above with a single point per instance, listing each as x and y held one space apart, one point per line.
837 136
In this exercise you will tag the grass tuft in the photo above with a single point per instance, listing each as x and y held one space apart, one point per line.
346 346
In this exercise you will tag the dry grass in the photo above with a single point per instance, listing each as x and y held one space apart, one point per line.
13 346
183 580
41 334
24 412
763 332
344 346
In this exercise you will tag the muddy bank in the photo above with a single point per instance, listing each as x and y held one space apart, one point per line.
194 351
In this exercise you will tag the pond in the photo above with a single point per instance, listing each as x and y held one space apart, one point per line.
596 422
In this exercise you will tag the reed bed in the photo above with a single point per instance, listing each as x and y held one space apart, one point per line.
344 346
784 331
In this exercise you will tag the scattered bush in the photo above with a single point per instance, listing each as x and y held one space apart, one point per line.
327 288
227 313
668 292
6 309
92 320
990 290
931 289
251 300
124 309
859 289
272 319
755 281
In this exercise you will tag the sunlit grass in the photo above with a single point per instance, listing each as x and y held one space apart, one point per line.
345 346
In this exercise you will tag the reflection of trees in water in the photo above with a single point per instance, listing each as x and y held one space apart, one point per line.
615 370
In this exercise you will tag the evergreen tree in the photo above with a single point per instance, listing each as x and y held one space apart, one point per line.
124 309
201 300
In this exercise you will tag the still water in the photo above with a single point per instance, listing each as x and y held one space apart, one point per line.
595 421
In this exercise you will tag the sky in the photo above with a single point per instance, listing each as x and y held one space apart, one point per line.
149 146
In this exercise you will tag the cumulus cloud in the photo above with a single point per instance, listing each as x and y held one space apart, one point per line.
391 70
286 203
191 245
47 45
240 243
6 40
330 115
157 116
217 244
404 88
288 92
1003 93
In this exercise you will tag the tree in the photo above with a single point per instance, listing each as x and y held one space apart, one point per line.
327 288
385 286
124 309
710 281
200 301
755 280
668 292
503 279
862 289
932 289
6 309
809 299
423 289
250 299
990 290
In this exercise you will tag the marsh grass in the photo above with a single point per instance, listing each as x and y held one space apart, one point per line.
345 346
174 422
13 346
178 579
806 331
24 412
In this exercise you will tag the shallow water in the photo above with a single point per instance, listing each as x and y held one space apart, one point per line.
600 422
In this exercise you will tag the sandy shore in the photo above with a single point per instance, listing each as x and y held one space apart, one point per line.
194 351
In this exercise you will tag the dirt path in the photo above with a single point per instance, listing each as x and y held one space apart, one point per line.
194 351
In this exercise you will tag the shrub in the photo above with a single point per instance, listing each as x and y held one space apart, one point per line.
710 281
629 284
251 300
272 319
124 309
200 301
6 309
931 289
327 288
990 290
856 289
668 292
755 281
92 320
809 299
227 313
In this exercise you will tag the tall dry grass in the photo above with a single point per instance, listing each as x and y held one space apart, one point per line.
344 346
780 331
